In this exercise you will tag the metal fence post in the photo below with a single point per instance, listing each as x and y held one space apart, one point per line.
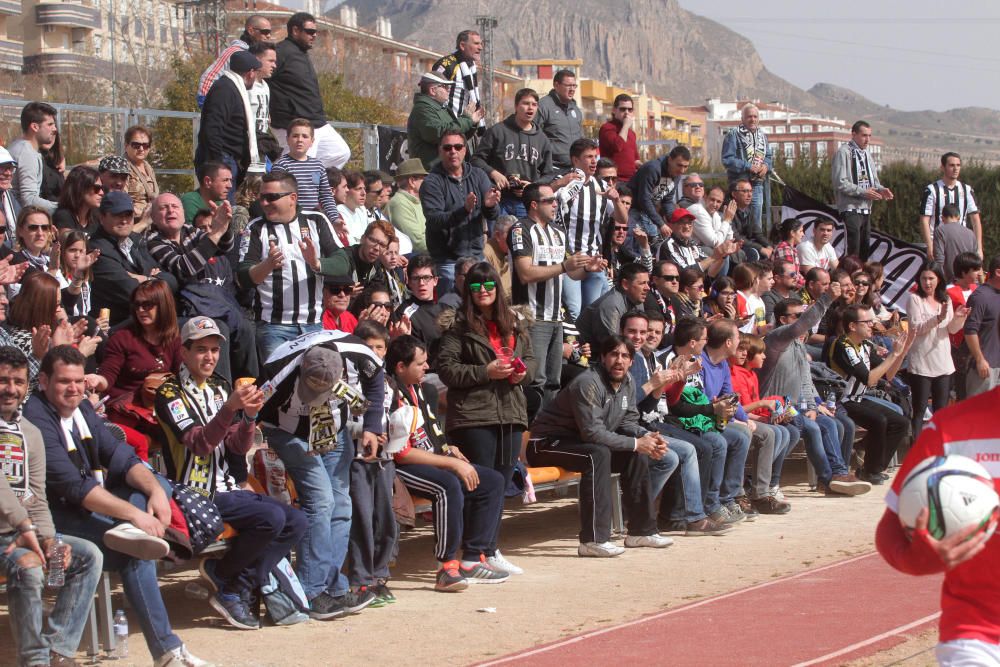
369 139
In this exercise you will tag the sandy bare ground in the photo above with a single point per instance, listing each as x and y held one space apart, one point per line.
560 595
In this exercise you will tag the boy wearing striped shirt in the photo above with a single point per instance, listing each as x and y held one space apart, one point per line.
309 173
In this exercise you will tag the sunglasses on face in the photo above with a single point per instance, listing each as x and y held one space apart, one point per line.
697 185
381 304
38 228
863 284
669 279
145 305
98 189
339 291
547 200
448 148
489 286
272 197
310 31
264 31
140 146
621 228
625 108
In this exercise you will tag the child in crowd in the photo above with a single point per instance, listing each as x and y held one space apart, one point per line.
768 414
951 239
314 186
352 206
752 279
373 525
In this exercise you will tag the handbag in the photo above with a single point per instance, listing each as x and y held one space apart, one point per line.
202 516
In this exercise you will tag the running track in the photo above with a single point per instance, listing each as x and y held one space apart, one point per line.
825 616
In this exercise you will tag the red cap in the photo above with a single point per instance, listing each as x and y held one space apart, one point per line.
680 214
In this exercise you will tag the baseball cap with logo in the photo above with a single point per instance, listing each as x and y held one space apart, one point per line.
114 164
200 327
321 369
680 214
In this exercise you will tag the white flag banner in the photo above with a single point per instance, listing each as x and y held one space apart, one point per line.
902 260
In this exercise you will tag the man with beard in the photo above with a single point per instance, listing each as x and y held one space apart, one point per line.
592 427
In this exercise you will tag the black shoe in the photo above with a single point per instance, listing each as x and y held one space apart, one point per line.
676 527
324 606
383 593
885 476
235 610
354 601
875 479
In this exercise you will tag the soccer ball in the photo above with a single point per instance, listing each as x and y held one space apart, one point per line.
958 492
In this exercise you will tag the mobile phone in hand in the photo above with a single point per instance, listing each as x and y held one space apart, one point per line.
518 365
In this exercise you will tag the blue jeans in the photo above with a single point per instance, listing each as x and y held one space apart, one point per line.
446 276
822 445
33 639
270 336
323 483
237 177
690 497
786 437
684 455
848 430
546 345
510 205
737 446
651 227
881 401
757 203
578 294
139 579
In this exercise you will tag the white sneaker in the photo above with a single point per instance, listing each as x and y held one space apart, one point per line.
776 492
499 562
180 657
655 541
131 541
595 550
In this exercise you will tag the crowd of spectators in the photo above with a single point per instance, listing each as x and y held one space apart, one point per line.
513 294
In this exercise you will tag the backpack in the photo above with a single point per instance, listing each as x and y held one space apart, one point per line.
284 597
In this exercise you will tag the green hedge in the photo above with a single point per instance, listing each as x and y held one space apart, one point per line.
900 217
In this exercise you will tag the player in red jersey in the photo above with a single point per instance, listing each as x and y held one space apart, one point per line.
969 630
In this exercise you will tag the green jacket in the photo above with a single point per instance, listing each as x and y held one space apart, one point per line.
474 399
407 215
427 122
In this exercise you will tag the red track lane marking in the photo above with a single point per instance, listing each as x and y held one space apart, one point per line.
670 612
872 640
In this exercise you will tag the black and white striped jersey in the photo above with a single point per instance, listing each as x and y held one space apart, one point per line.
292 294
545 244
937 195
584 210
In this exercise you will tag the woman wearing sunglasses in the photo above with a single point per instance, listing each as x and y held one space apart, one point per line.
81 196
33 233
485 360
141 186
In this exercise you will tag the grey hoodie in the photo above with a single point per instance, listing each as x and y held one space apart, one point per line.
511 150
786 369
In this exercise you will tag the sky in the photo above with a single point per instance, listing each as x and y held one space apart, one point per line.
909 54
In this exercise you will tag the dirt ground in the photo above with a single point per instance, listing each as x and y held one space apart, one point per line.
560 594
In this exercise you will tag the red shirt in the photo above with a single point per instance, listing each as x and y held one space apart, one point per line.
624 152
746 384
970 597
344 322
958 299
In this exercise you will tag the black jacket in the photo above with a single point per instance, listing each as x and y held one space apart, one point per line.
111 286
223 125
295 88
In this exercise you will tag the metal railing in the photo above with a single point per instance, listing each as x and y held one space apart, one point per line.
90 131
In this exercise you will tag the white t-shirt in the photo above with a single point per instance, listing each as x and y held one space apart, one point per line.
809 256
356 221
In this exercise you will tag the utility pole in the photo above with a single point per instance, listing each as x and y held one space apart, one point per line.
486 25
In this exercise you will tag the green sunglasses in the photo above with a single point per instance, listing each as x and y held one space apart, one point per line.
489 286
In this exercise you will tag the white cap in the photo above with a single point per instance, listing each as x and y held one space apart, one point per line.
6 157
431 77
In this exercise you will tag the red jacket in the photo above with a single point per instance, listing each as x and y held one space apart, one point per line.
746 385
958 299
625 153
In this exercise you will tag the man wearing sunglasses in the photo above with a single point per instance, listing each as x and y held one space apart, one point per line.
283 256
617 138
785 279
295 94
459 203
256 29
9 206
124 261
431 116
663 291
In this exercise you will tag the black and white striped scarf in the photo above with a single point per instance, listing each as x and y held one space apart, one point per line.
754 143
861 166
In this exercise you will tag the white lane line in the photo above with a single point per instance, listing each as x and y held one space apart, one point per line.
670 612
873 640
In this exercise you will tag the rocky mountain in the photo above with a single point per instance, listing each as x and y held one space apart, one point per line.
679 55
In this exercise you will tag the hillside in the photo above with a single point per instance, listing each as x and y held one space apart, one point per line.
679 55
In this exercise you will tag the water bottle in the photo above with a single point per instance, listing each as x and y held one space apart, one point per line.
195 591
803 405
57 562
121 635
831 402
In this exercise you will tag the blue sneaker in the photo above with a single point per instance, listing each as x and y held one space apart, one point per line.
207 570
235 610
